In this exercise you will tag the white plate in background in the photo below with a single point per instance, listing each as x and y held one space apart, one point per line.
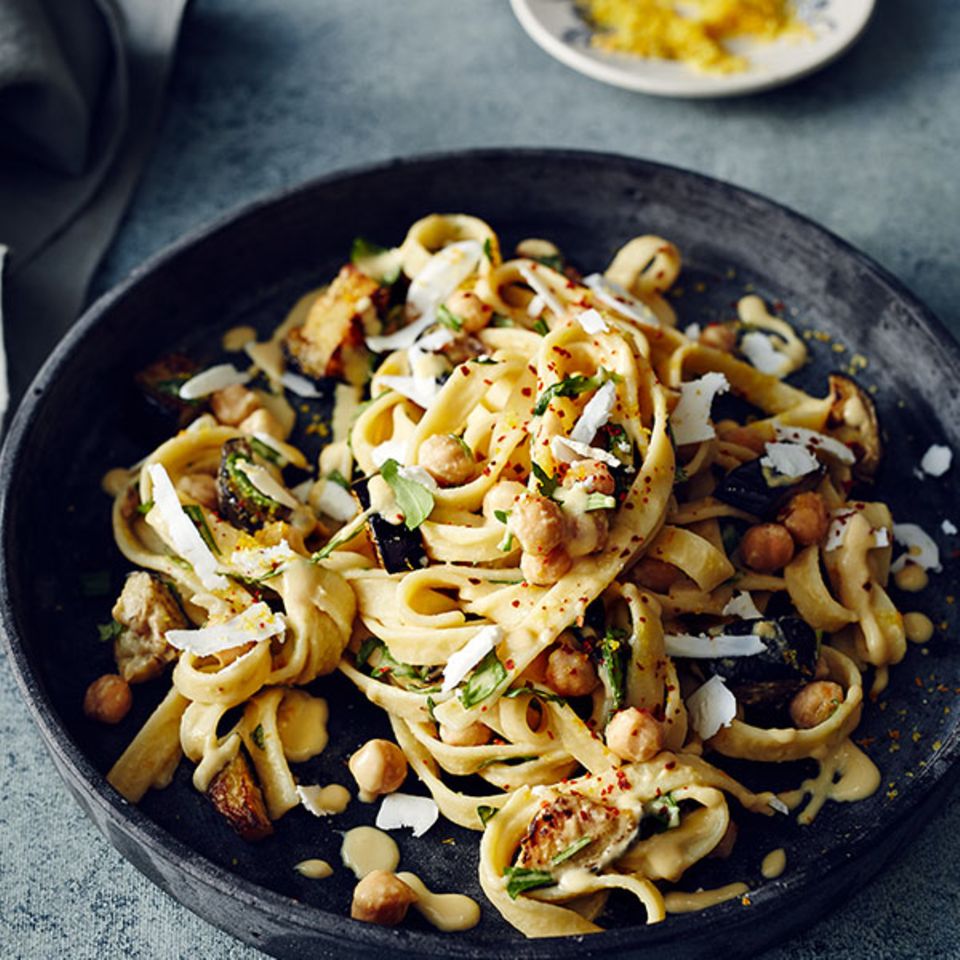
558 28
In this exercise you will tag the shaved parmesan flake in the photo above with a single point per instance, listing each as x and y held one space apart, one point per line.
595 414
302 490
541 289
690 420
625 303
419 475
568 450
789 459
405 810
421 390
536 306
711 707
815 442
435 340
468 656
313 799
258 562
759 349
837 530
692 331
592 322
741 605
881 537
264 481
777 804
389 450
936 461
183 535
706 647
210 381
948 528
336 502
921 549
402 338
300 385
256 623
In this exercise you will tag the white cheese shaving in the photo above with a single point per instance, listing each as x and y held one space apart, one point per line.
183 535
467 657
936 461
568 450
435 340
921 548
210 381
421 390
402 338
302 490
256 623
595 414
881 537
536 306
711 707
789 459
741 605
592 322
541 289
300 385
705 647
837 531
405 810
264 481
692 331
336 502
760 350
310 797
690 420
815 442
613 295
389 450
948 528
258 562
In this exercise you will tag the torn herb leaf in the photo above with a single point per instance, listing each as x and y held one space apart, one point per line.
521 879
571 851
375 261
335 476
571 386
256 735
540 326
485 813
195 513
600 501
414 499
614 650
501 515
448 318
345 535
484 680
546 485
499 320
664 810
144 508
488 250
109 631
264 450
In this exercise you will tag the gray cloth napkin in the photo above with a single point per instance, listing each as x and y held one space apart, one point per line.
81 89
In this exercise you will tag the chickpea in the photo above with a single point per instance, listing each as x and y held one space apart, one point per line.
545 571
263 421
473 735
470 310
381 897
727 842
719 336
807 518
593 474
447 459
233 404
918 627
570 672
767 547
911 578
655 575
200 487
538 523
587 532
108 699
815 703
379 767
634 735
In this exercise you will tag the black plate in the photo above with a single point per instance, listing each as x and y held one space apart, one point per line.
78 419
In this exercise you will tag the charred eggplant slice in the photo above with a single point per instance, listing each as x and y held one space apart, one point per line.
773 676
760 490
236 796
853 421
239 501
398 548
160 384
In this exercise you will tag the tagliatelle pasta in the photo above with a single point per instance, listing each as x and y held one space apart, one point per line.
539 497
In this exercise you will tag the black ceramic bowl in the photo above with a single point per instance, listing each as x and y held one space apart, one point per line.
61 569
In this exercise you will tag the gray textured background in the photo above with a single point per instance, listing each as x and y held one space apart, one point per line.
268 93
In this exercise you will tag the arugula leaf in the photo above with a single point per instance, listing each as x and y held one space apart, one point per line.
502 515
386 663
257 737
335 476
571 851
144 508
364 256
487 676
600 501
521 879
573 386
109 631
612 654
546 484
448 318
488 249
414 499
195 513
485 813
540 326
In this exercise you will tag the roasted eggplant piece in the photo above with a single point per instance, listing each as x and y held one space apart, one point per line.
160 384
398 548
761 491
772 677
236 796
239 501
853 421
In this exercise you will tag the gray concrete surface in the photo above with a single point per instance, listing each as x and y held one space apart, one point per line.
266 94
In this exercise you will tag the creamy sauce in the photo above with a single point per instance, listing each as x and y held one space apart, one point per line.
774 863
911 578
236 338
115 481
678 902
276 404
331 800
302 725
846 774
918 627
366 849
445 911
268 357
314 869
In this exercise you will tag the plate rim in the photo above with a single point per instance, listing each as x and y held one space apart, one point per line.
710 87
89 786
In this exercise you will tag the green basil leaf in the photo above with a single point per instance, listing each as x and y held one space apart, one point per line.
484 680
571 851
257 736
521 879
546 484
144 508
448 318
485 813
540 326
414 499
109 631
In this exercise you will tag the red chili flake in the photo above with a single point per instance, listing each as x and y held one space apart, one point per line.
515 603
489 383
509 664
465 370
670 764
474 580
527 392
893 734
